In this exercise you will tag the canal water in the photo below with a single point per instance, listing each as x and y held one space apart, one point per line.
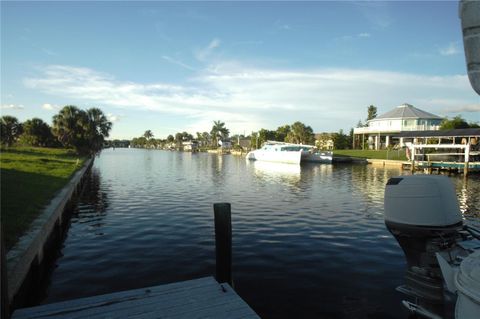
308 242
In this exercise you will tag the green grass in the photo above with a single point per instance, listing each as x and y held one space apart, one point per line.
372 154
30 177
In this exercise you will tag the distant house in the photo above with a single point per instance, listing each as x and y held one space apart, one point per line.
405 117
245 143
225 143
190 146
324 141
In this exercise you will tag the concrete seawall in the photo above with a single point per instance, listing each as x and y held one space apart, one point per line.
390 163
27 261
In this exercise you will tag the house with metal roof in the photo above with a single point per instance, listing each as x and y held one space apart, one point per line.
378 132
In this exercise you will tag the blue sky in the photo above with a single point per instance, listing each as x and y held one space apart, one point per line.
175 66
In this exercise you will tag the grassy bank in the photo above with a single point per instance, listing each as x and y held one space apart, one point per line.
30 177
380 154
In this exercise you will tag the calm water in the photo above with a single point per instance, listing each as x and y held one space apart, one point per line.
309 242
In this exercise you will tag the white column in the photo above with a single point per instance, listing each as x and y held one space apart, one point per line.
377 141
401 142
387 141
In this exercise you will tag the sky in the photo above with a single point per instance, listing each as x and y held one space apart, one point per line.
178 66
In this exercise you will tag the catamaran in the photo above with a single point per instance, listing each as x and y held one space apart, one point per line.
281 152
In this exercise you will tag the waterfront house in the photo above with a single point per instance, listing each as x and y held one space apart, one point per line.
225 143
324 141
190 146
378 132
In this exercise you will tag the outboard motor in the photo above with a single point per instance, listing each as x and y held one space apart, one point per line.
422 213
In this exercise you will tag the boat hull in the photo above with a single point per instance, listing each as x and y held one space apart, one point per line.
319 157
277 157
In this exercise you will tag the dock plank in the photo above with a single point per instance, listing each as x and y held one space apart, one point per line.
199 298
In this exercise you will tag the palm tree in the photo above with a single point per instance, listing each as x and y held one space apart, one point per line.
219 129
69 126
98 128
85 131
36 133
10 129
148 134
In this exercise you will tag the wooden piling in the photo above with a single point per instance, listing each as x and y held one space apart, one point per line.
4 278
223 242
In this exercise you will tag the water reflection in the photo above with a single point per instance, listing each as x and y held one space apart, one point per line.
94 205
276 171
468 195
298 230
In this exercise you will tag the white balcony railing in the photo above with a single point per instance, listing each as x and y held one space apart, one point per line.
373 130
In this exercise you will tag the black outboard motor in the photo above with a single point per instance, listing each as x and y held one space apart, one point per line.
422 213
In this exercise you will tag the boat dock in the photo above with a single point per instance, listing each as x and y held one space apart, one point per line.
198 298
453 150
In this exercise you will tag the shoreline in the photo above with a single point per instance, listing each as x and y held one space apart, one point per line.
26 259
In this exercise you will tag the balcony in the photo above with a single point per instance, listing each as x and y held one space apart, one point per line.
385 130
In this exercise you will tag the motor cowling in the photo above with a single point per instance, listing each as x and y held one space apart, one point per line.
421 201
422 213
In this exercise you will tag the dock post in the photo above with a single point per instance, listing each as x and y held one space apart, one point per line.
4 279
223 242
467 159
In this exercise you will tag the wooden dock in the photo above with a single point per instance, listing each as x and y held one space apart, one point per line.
199 298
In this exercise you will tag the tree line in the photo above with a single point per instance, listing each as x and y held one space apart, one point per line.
83 130
206 139
297 133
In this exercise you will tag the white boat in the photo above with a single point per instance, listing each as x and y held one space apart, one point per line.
281 152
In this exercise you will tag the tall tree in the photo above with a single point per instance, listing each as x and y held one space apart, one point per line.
10 129
218 130
254 140
84 131
265 135
148 134
69 127
300 134
340 140
36 133
282 132
98 128
371 112
170 138
179 138
456 123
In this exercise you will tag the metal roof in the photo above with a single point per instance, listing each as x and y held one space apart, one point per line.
406 111
464 132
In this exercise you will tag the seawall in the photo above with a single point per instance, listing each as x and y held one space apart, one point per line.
28 260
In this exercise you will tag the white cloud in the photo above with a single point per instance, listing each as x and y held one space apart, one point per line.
204 53
50 107
113 118
377 13
49 52
464 108
364 35
451 49
249 98
12 107
177 62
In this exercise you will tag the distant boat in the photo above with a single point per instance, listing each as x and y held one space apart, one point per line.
281 152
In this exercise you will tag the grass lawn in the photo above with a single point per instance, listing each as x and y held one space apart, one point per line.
380 154
30 177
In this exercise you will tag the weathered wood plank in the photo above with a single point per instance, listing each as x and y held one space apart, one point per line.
200 298
165 303
97 301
